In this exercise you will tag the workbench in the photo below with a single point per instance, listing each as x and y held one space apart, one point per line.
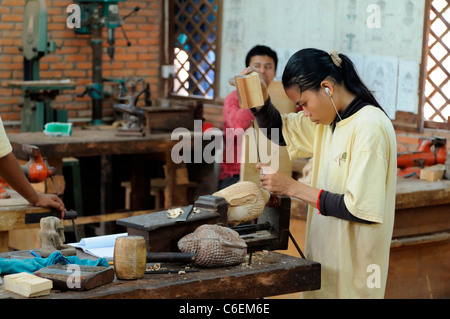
12 216
269 274
17 213
420 250
104 143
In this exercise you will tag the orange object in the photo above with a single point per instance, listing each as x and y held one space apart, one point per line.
431 151
36 170
3 192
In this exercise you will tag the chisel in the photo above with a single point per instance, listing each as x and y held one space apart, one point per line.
187 211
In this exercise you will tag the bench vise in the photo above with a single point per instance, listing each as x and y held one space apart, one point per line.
270 231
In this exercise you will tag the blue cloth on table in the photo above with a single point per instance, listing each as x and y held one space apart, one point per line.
17 265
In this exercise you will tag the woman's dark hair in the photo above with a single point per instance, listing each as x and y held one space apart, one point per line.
307 68
261 50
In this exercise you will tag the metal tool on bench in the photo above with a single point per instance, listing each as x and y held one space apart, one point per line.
36 169
431 151
133 116
96 15
187 211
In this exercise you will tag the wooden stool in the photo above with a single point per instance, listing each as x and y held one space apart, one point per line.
158 190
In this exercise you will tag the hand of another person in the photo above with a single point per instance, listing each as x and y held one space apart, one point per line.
50 201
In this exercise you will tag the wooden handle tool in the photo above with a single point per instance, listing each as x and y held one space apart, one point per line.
249 90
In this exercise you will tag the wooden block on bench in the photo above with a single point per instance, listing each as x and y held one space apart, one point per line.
27 285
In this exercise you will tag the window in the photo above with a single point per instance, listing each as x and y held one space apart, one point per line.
195 44
436 65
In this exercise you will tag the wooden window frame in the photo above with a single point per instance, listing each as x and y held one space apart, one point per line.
168 52
422 123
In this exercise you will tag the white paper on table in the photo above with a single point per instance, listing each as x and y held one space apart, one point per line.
99 246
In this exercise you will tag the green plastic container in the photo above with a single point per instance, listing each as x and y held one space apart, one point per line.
58 129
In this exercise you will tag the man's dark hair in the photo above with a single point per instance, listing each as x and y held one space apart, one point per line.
261 50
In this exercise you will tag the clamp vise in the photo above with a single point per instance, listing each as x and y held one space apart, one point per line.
431 151
269 232
36 169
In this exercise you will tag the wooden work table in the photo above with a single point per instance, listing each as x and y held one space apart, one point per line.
91 142
269 274
12 216
421 207
103 143
420 248
17 213
420 193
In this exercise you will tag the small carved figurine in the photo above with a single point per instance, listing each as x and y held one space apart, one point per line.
52 238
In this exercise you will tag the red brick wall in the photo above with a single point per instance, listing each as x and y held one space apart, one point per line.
73 59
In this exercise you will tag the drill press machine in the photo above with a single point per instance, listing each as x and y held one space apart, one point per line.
96 14
37 95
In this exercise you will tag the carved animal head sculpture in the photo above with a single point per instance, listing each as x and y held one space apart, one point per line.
214 246
246 201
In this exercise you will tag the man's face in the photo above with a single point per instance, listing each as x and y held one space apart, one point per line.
265 66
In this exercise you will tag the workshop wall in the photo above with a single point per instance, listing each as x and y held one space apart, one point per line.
73 56
392 44
383 38
326 29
